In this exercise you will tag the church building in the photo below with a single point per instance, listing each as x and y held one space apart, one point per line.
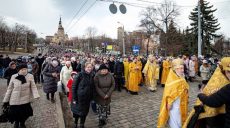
59 38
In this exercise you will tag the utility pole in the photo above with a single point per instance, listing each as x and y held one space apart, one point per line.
123 40
199 31
147 48
123 37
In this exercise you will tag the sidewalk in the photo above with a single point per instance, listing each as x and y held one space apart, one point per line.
45 115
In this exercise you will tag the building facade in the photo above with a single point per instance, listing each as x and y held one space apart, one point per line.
59 38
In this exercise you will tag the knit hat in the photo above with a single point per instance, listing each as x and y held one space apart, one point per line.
21 66
103 66
73 73
11 63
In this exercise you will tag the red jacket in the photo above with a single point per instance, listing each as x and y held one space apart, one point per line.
69 85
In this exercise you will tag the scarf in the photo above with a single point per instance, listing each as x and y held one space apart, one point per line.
21 78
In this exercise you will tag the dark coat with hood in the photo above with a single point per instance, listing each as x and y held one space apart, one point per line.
104 85
82 91
50 82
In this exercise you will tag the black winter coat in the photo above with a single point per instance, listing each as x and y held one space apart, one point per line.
119 69
218 99
40 61
111 66
50 82
8 73
74 66
6 62
82 91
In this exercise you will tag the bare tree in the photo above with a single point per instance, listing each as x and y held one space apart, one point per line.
154 18
91 32
17 30
3 32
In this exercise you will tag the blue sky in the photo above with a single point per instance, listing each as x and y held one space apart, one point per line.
43 15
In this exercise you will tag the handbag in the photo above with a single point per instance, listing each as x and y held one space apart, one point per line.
4 115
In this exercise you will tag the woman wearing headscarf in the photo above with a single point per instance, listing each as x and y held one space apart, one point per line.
205 73
51 75
65 75
11 70
82 91
19 93
104 85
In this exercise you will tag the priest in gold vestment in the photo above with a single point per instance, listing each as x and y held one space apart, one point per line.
151 73
139 72
133 79
212 114
174 105
166 66
126 71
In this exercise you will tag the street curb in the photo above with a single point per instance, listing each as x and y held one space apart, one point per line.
60 119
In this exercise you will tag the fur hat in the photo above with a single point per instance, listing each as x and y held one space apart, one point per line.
103 66
21 66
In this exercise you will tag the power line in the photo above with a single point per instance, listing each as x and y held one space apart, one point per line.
127 3
83 15
164 3
68 25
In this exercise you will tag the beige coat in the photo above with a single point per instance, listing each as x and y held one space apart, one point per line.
18 93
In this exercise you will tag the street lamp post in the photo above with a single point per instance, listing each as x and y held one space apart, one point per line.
26 50
123 38
147 49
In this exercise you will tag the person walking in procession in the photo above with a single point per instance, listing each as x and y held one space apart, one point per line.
20 91
51 75
211 109
151 72
82 91
174 105
134 80
11 70
166 67
104 85
119 73
65 75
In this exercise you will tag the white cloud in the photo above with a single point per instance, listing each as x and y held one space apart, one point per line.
43 15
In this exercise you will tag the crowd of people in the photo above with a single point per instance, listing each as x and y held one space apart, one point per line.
90 79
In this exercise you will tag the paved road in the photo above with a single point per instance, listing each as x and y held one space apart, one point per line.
44 111
127 111
136 111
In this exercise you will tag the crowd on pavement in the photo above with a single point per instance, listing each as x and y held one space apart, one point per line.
89 80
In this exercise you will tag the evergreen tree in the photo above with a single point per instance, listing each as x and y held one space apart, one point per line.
209 24
190 45
174 44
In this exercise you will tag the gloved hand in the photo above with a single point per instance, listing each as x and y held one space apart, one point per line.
5 105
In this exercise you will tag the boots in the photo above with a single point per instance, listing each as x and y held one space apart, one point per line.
22 125
52 98
47 96
82 126
16 124
101 123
